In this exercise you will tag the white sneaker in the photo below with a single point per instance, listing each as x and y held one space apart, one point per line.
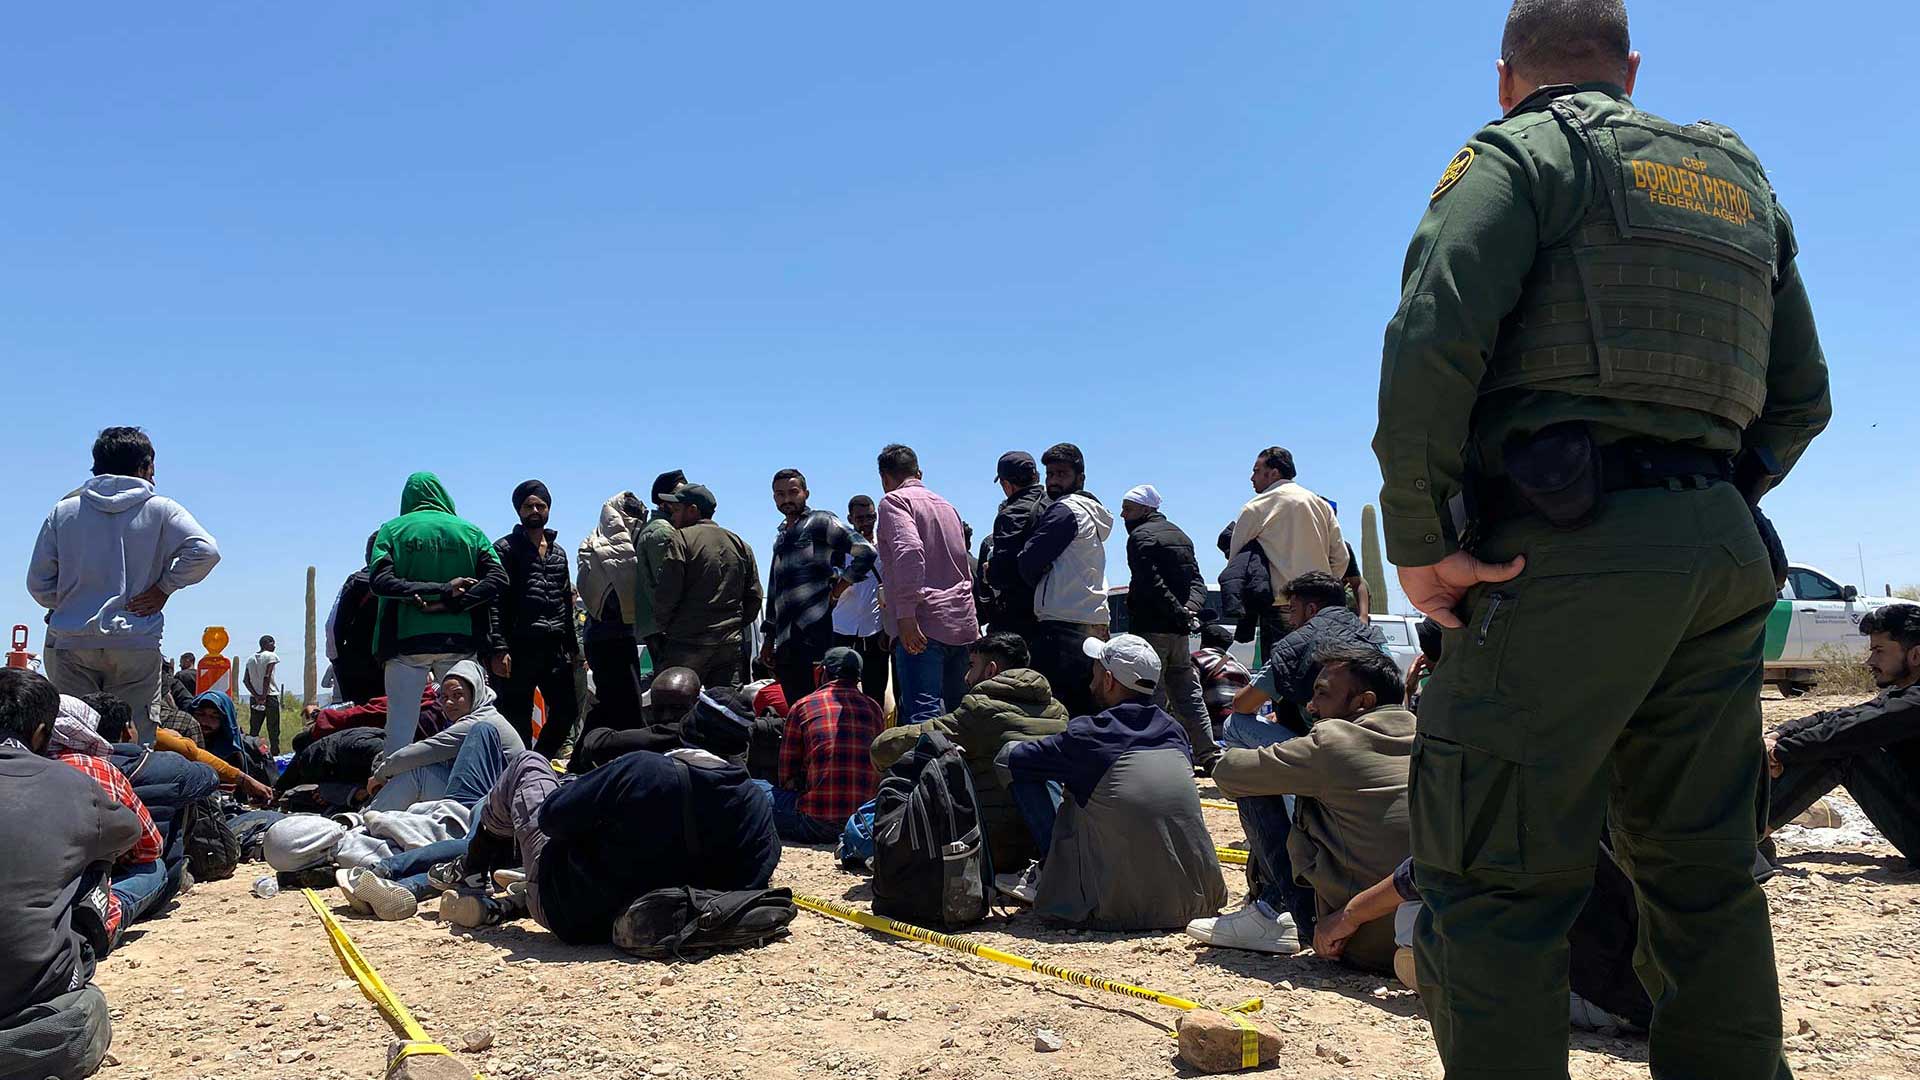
1023 886
1250 929
381 897
345 880
505 879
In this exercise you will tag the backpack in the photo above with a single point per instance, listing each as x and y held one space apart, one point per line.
686 923
930 861
213 851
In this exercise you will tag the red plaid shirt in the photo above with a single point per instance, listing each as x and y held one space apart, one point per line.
148 847
827 754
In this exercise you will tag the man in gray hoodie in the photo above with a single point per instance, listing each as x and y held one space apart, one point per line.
107 559
1065 560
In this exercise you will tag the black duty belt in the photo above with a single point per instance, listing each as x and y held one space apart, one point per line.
1637 464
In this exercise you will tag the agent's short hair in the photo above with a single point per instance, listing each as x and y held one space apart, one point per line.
121 451
1901 622
1318 587
790 474
1371 668
1554 41
1279 458
1005 648
898 459
28 702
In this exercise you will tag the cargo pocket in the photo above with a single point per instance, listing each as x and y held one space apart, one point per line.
1469 787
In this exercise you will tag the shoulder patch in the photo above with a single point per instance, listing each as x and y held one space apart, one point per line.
1456 169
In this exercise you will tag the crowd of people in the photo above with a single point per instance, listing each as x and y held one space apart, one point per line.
428 777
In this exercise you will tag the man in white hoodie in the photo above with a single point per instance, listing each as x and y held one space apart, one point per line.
1065 559
107 559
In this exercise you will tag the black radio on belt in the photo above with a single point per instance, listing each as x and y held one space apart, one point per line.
1562 475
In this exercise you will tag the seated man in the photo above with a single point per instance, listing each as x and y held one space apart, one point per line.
1348 779
1317 613
826 771
223 738
1006 702
1129 849
1872 749
1222 675
168 785
419 771
138 877
330 774
53 1020
591 845
663 706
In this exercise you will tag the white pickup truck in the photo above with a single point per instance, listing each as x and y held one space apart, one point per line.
1815 619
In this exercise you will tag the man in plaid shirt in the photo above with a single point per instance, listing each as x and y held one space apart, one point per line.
139 877
826 760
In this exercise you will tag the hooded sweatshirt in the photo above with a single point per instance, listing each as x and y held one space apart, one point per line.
229 745
416 760
105 544
416 554
1066 560
609 566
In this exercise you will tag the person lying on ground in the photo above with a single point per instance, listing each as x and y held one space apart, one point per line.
1222 675
53 1020
1871 749
1316 611
665 705
167 784
419 771
373 713
591 845
826 770
330 774
1007 702
138 878
1345 825
222 737
1127 848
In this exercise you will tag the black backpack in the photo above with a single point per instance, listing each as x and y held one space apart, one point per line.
687 923
930 861
213 851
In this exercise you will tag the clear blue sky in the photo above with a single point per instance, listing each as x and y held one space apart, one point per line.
312 249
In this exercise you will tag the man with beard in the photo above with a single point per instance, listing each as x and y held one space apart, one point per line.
816 557
534 646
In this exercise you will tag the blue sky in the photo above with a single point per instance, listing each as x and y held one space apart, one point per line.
314 248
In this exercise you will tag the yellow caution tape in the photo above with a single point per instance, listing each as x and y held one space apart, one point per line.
986 952
1249 1040
1218 804
417 1041
1232 855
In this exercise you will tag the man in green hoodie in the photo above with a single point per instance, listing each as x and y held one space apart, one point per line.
434 574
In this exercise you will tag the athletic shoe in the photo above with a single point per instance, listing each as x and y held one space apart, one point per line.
1250 929
505 879
1404 968
345 879
386 899
452 874
1023 886
474 909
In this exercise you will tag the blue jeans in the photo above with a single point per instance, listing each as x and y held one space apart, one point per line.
476 767
1268 821
141 887
409 868
1244 732
1039 804
930 683
795 826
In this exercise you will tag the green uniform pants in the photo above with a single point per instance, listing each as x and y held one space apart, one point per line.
1615 682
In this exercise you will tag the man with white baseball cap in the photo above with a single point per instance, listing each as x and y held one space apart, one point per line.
1164 602
1127 848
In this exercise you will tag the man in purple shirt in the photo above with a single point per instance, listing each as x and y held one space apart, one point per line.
928 590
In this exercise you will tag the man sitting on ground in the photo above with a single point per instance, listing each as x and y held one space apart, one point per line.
1129 849
53 1020
1871 749
591 845
138 878
826 772
167 784
665 705
1007 702
1316 611
1348 780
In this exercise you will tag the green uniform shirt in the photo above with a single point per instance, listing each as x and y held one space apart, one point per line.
1526 185
650 551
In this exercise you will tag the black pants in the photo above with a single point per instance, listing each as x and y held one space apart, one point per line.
1059 653
601 745
717 665
1885 782
616 683
793 665
876 662
548 668
265 711
359 680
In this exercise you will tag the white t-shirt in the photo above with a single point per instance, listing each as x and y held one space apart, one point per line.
857 612
263 674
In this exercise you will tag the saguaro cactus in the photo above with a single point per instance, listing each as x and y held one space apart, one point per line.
1372 566
311 687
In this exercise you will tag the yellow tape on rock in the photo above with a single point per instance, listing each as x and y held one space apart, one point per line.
987 952
1249 1040
417 1041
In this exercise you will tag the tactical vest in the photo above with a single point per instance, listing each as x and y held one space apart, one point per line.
1664 293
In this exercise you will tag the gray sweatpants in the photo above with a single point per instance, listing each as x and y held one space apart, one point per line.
1180 692
132 675
513 808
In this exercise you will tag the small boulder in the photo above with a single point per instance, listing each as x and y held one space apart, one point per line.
1212 1042
1047 1042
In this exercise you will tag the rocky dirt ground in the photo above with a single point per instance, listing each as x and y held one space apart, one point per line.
230 986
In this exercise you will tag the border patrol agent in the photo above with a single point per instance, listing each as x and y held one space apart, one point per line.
1603 355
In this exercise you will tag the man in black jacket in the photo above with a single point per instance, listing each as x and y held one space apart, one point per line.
1163 605
1872 749
1011 608
533 644
1319 619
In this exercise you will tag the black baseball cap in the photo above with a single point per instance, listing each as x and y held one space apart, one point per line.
695 495
1017 467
